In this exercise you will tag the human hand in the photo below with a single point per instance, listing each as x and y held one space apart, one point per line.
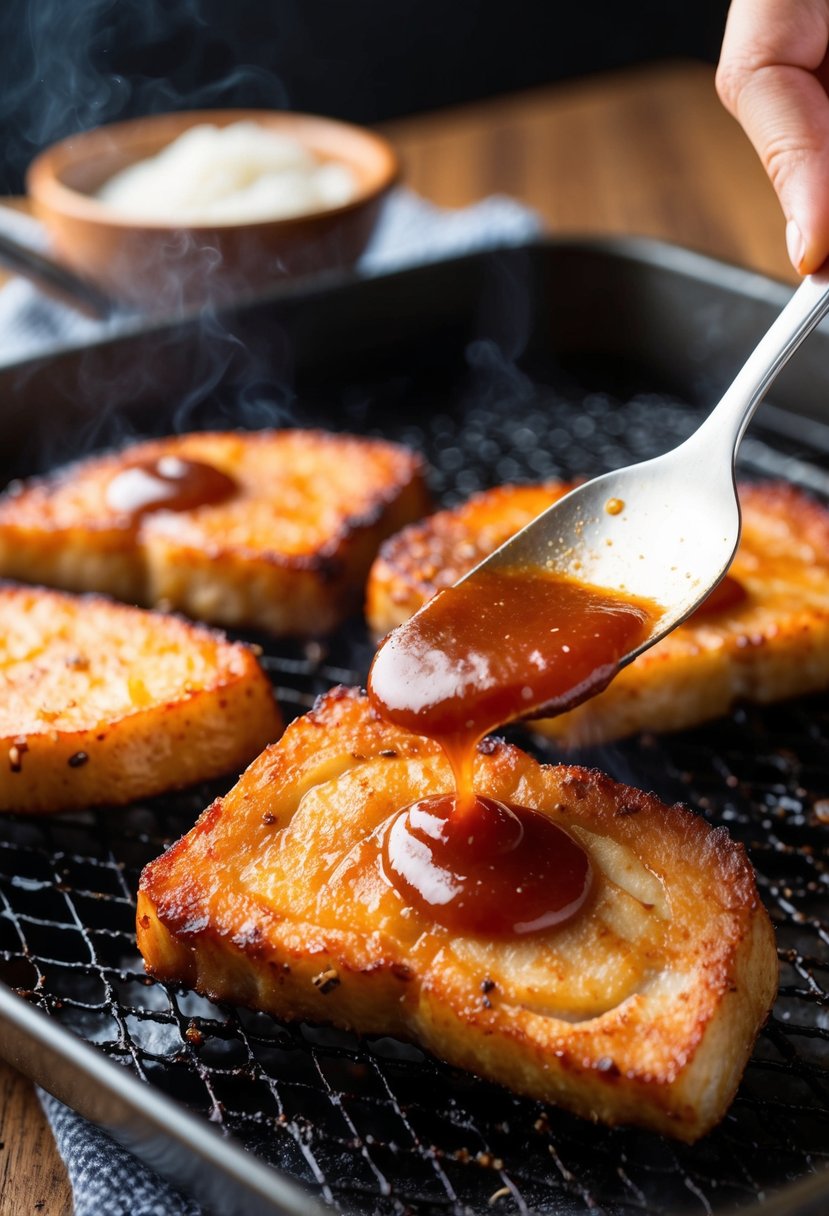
773 77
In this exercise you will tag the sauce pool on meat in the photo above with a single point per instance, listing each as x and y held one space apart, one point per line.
170 483
498 646
497 870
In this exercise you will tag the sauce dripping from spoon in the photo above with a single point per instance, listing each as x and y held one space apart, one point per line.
497 646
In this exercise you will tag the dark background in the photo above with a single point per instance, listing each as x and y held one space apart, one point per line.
70 64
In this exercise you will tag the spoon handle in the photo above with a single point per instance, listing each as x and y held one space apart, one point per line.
56 280
733 413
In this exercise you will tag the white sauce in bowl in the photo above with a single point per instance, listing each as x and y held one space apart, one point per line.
237 174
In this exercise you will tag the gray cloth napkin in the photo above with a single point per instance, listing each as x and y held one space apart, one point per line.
105 1178
410 231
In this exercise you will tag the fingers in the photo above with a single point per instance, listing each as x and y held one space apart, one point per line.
769 78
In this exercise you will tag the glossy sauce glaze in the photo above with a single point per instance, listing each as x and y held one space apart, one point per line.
169 483
498 870
497 646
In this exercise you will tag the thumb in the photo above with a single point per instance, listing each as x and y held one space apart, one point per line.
771 89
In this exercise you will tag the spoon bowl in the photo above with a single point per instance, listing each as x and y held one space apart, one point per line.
666 529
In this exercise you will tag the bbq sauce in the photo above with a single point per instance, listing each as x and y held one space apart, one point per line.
169 483
498 646
498 870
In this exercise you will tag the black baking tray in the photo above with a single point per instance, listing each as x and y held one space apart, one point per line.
552 359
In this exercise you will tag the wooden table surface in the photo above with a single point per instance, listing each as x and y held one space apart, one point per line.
648 151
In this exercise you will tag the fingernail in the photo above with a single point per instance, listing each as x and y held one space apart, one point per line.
795 244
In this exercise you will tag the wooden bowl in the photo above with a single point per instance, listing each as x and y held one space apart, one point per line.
162 266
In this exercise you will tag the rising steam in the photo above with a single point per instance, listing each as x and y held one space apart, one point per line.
59 75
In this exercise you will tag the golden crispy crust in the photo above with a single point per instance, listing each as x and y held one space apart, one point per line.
775 644
102 704
288 553
644 1009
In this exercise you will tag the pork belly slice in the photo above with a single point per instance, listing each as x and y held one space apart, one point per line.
771 645
288 552
643 1009
101 703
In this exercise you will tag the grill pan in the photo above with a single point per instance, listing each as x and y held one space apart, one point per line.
553 360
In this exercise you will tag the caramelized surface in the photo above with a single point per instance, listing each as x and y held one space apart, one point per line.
767 641
284 547
101 703
643 1009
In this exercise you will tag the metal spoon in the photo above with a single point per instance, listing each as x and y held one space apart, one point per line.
667 529
24 251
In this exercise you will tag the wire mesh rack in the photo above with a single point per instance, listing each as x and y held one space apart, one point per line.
375 1125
